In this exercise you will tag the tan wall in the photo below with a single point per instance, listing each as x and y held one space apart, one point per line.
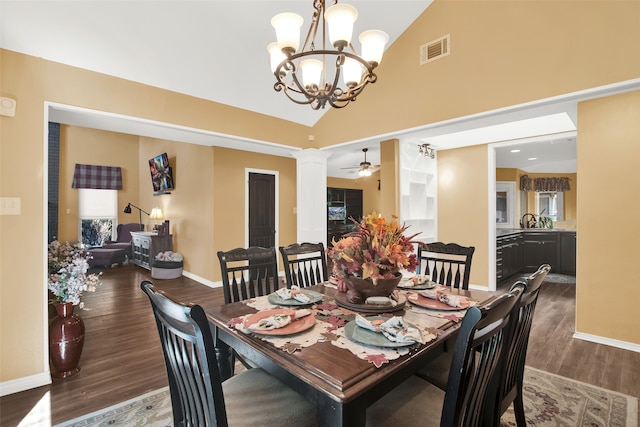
463 211
471 80
229 188
607 291
95 147
502 53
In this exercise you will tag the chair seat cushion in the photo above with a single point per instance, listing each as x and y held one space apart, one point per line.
255 398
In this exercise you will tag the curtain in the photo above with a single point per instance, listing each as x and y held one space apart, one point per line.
544 185
97 177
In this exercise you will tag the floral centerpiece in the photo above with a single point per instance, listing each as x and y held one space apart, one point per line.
377 249
68 278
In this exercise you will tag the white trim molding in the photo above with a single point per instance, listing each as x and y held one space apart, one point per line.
25 383
607 341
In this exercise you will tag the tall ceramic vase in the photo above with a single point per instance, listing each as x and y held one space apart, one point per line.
66 339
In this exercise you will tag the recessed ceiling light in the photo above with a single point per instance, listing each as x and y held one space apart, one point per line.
515 151
532 158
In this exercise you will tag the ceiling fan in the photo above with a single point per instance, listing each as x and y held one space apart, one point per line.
365 168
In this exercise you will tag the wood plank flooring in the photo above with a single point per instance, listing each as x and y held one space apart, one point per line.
122 357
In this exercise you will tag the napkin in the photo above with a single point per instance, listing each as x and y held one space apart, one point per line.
394 329
450 300
293 293
279 320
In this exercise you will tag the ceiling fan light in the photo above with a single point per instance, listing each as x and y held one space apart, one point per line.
364 172
276 56
311 72
340 19
287 27
373 42
352 72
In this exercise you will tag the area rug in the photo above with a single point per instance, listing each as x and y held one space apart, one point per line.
550 400
559 278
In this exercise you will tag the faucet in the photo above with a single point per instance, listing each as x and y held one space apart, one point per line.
531 223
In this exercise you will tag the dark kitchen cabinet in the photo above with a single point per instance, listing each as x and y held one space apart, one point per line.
540 247
509 256
568 253
342 204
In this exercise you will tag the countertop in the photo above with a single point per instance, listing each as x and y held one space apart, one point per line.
506 231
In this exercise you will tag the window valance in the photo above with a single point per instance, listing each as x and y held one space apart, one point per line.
544 185
97 177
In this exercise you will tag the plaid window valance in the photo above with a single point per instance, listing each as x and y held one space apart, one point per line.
544 185
97 177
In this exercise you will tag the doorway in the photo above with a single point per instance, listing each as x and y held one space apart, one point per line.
261 208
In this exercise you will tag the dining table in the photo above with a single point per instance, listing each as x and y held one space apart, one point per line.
325 358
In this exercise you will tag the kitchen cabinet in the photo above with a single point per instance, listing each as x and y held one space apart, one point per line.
568 253
540 247
146 245
509 256
342 204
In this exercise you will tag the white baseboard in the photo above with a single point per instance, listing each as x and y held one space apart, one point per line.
202 280
24 383
607 341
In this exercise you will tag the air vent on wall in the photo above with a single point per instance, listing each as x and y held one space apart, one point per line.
435 49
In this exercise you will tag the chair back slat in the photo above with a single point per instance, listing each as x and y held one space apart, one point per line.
248 273
305 264
448 264
188 346
479 350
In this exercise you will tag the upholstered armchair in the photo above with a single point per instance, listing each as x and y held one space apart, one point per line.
124 237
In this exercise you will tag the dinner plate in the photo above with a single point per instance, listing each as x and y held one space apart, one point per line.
294 327
313 297
366 336
433 304
426 285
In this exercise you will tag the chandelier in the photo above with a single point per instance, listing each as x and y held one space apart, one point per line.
427 151
313 74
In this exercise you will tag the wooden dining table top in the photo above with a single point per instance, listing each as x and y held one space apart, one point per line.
340 383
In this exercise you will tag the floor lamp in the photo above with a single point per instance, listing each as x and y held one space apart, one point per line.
127 210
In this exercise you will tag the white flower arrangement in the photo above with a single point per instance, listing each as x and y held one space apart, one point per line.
68 278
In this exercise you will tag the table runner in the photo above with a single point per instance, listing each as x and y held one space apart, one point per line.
329 327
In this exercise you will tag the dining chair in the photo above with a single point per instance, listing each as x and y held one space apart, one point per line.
305 264
480 344
248 272
198 395
448 264
510 378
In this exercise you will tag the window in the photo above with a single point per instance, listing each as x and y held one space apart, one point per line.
550 204
97 213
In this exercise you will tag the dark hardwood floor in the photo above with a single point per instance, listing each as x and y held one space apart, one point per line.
122 358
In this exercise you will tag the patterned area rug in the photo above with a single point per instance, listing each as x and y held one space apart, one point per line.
550 400
559 278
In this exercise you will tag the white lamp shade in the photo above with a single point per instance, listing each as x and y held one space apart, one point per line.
340 19
287 27
351 71
276 56
156 213
311 72
373 42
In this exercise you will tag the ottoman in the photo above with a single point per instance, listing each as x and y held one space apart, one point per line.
166 269
106 257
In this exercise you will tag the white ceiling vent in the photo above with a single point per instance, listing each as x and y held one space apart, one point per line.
435 49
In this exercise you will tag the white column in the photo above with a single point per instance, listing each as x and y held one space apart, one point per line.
311 192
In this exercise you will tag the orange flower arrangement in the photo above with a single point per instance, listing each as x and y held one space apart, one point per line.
377 249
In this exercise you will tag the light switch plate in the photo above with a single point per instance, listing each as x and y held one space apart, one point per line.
9 205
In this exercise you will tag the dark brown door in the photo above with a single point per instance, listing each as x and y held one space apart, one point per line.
262 210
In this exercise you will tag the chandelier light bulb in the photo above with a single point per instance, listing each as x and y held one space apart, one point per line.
373 42
311 72
276 55
287 27
351 72
340 19
364 172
